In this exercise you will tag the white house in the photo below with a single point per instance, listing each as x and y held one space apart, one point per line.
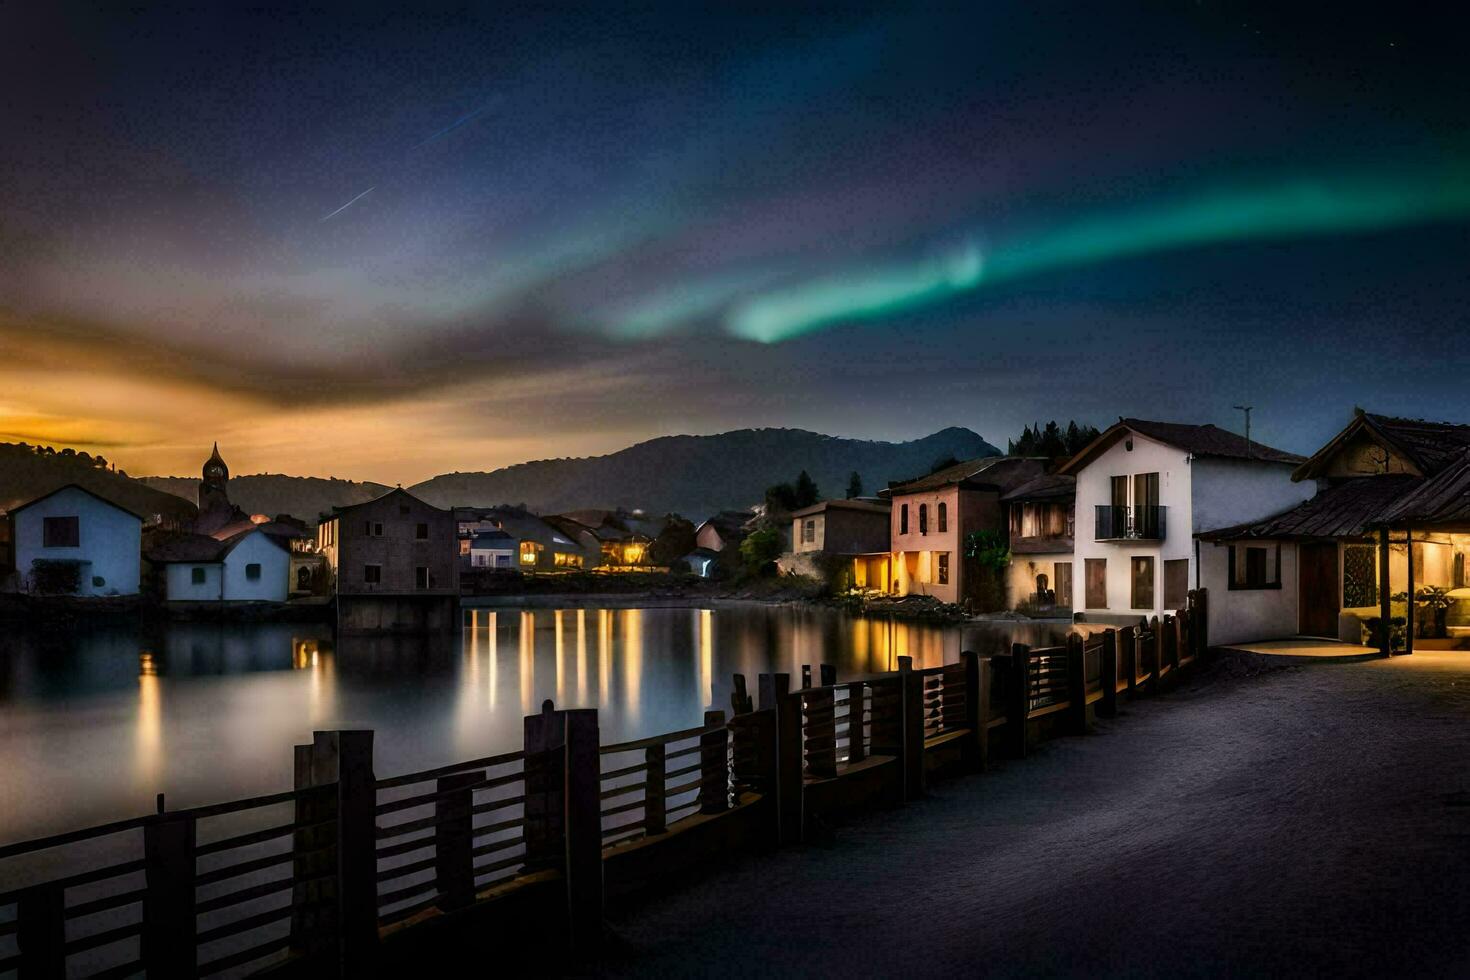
248 566
493 548
1144 489
91 534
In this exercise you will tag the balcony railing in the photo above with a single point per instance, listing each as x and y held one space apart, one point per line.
1130 523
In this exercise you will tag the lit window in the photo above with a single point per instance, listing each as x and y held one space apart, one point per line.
943 567
528 552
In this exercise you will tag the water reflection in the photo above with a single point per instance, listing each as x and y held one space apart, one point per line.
101 720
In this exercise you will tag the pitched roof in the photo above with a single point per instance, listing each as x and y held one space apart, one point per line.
489 538
1002 473
1441 499
1344 510
1048 486
341 509
866 506
76 486
729 522
1197 440
185 546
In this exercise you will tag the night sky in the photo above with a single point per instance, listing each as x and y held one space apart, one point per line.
384 245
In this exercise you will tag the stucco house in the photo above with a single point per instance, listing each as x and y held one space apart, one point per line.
74 536
1040 516
241 565
932 517
853 530
1143 489
1392 506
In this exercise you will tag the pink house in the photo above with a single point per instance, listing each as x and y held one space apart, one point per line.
933 515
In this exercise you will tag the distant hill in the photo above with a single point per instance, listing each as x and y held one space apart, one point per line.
26 474
699 475
304 497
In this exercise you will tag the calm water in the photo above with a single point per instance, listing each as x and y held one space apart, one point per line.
93 724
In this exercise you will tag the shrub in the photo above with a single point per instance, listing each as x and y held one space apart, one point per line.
56 576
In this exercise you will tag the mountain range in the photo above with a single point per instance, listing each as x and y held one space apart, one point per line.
690 475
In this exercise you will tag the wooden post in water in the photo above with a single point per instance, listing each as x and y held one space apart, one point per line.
1076 684
1018 701
974 746
857 729
169 932
454 862
714 764
911 755
789 774
1108 706
583 823
346 758
740 701
41 932
655 762
828 674
771 687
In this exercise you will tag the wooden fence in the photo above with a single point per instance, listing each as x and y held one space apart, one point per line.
321 877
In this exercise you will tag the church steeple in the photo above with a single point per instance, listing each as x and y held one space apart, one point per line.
212 486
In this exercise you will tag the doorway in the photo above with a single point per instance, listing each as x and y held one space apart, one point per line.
1317 589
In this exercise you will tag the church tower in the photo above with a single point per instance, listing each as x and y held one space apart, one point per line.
212 487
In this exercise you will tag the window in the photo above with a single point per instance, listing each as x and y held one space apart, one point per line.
479 561
373 529
1176 583
528 552
923 518
943 568
1097 582
1064 583
421 532
372 574
808 531
196 575
252 572
421 577
1359 576
943 518
377 530
1255 566
60 532
1143 582
564 559
903 519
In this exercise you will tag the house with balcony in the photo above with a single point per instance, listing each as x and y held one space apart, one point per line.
932 517
1143 489
1040 521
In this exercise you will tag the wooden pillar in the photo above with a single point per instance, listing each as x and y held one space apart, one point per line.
583 822
1155 655
741 702
1409 605
828 674
454 862
984 688
655 816
789 775
1168 650
1385 609
545 775
857 729
169 933
1018 700
714 764
313 897
771 688
1076 684
348 757
1202 628
974 745
1128 650
41 932
911 752
1108 706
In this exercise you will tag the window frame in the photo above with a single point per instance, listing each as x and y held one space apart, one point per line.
1134 562
942 517
252 572
1231 564
923 518
421 578
198 575
942 568
72 522
903 518
1087 593
421 531
372 574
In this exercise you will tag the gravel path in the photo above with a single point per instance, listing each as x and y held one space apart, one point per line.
1311 821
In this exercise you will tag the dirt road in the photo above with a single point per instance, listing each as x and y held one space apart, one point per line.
1313 821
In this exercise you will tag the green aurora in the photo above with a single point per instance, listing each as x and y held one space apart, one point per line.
1289 209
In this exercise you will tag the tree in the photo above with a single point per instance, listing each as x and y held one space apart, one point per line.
1050 444
760 549
806 491
674 542
854 485
780 499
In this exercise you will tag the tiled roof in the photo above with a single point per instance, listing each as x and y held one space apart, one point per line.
1440 499
1051 486
1432 445
1001 472
866 506
1344 510
1210 440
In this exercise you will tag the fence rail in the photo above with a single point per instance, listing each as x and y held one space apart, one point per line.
320 873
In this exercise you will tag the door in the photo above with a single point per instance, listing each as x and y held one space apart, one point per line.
1317 589
1064 584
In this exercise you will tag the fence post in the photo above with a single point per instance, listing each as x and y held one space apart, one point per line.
454 864
740 701
1076 684
771 687
714 765
313 897
984 688
545 769
168 940
655 817
1168 652
1108 706
1018 700
346 757
828 674
583 823
789 775
857 729
1202 628
1128 650
1155 660
974 748
806 676
41 932
911 733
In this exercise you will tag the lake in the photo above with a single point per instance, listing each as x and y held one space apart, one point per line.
96 721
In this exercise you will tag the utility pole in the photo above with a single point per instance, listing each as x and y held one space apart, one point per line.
1247 410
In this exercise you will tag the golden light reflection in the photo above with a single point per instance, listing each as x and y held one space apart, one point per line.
633 659
581 656
148 739
528 661
707 657
561 692
604 656
494 657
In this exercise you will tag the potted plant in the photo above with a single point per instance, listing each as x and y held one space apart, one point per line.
1436 602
